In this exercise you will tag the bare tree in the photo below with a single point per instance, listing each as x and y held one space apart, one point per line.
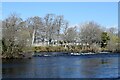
53 26
66 25
70 34
90 33
35 25
12 41
47 28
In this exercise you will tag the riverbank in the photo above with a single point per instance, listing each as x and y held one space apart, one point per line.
21 55
71 49
49 54
59 49
56 54
65 51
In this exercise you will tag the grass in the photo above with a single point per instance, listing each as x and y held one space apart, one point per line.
73 48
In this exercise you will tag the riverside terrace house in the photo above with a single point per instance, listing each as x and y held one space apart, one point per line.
40 42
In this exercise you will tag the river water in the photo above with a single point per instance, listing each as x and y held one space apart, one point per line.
97 66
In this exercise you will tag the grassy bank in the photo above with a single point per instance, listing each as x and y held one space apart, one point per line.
62 49
69 49
57 49
27 52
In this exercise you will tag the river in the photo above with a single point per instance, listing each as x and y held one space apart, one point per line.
97 66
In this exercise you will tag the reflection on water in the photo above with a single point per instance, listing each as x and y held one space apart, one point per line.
62 67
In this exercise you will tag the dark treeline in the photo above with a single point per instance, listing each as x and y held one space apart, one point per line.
20 35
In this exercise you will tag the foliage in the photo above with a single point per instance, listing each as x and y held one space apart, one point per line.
113 43
104 39
15 37
19 35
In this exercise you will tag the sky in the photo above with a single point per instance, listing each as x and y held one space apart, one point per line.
103 13
60 0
